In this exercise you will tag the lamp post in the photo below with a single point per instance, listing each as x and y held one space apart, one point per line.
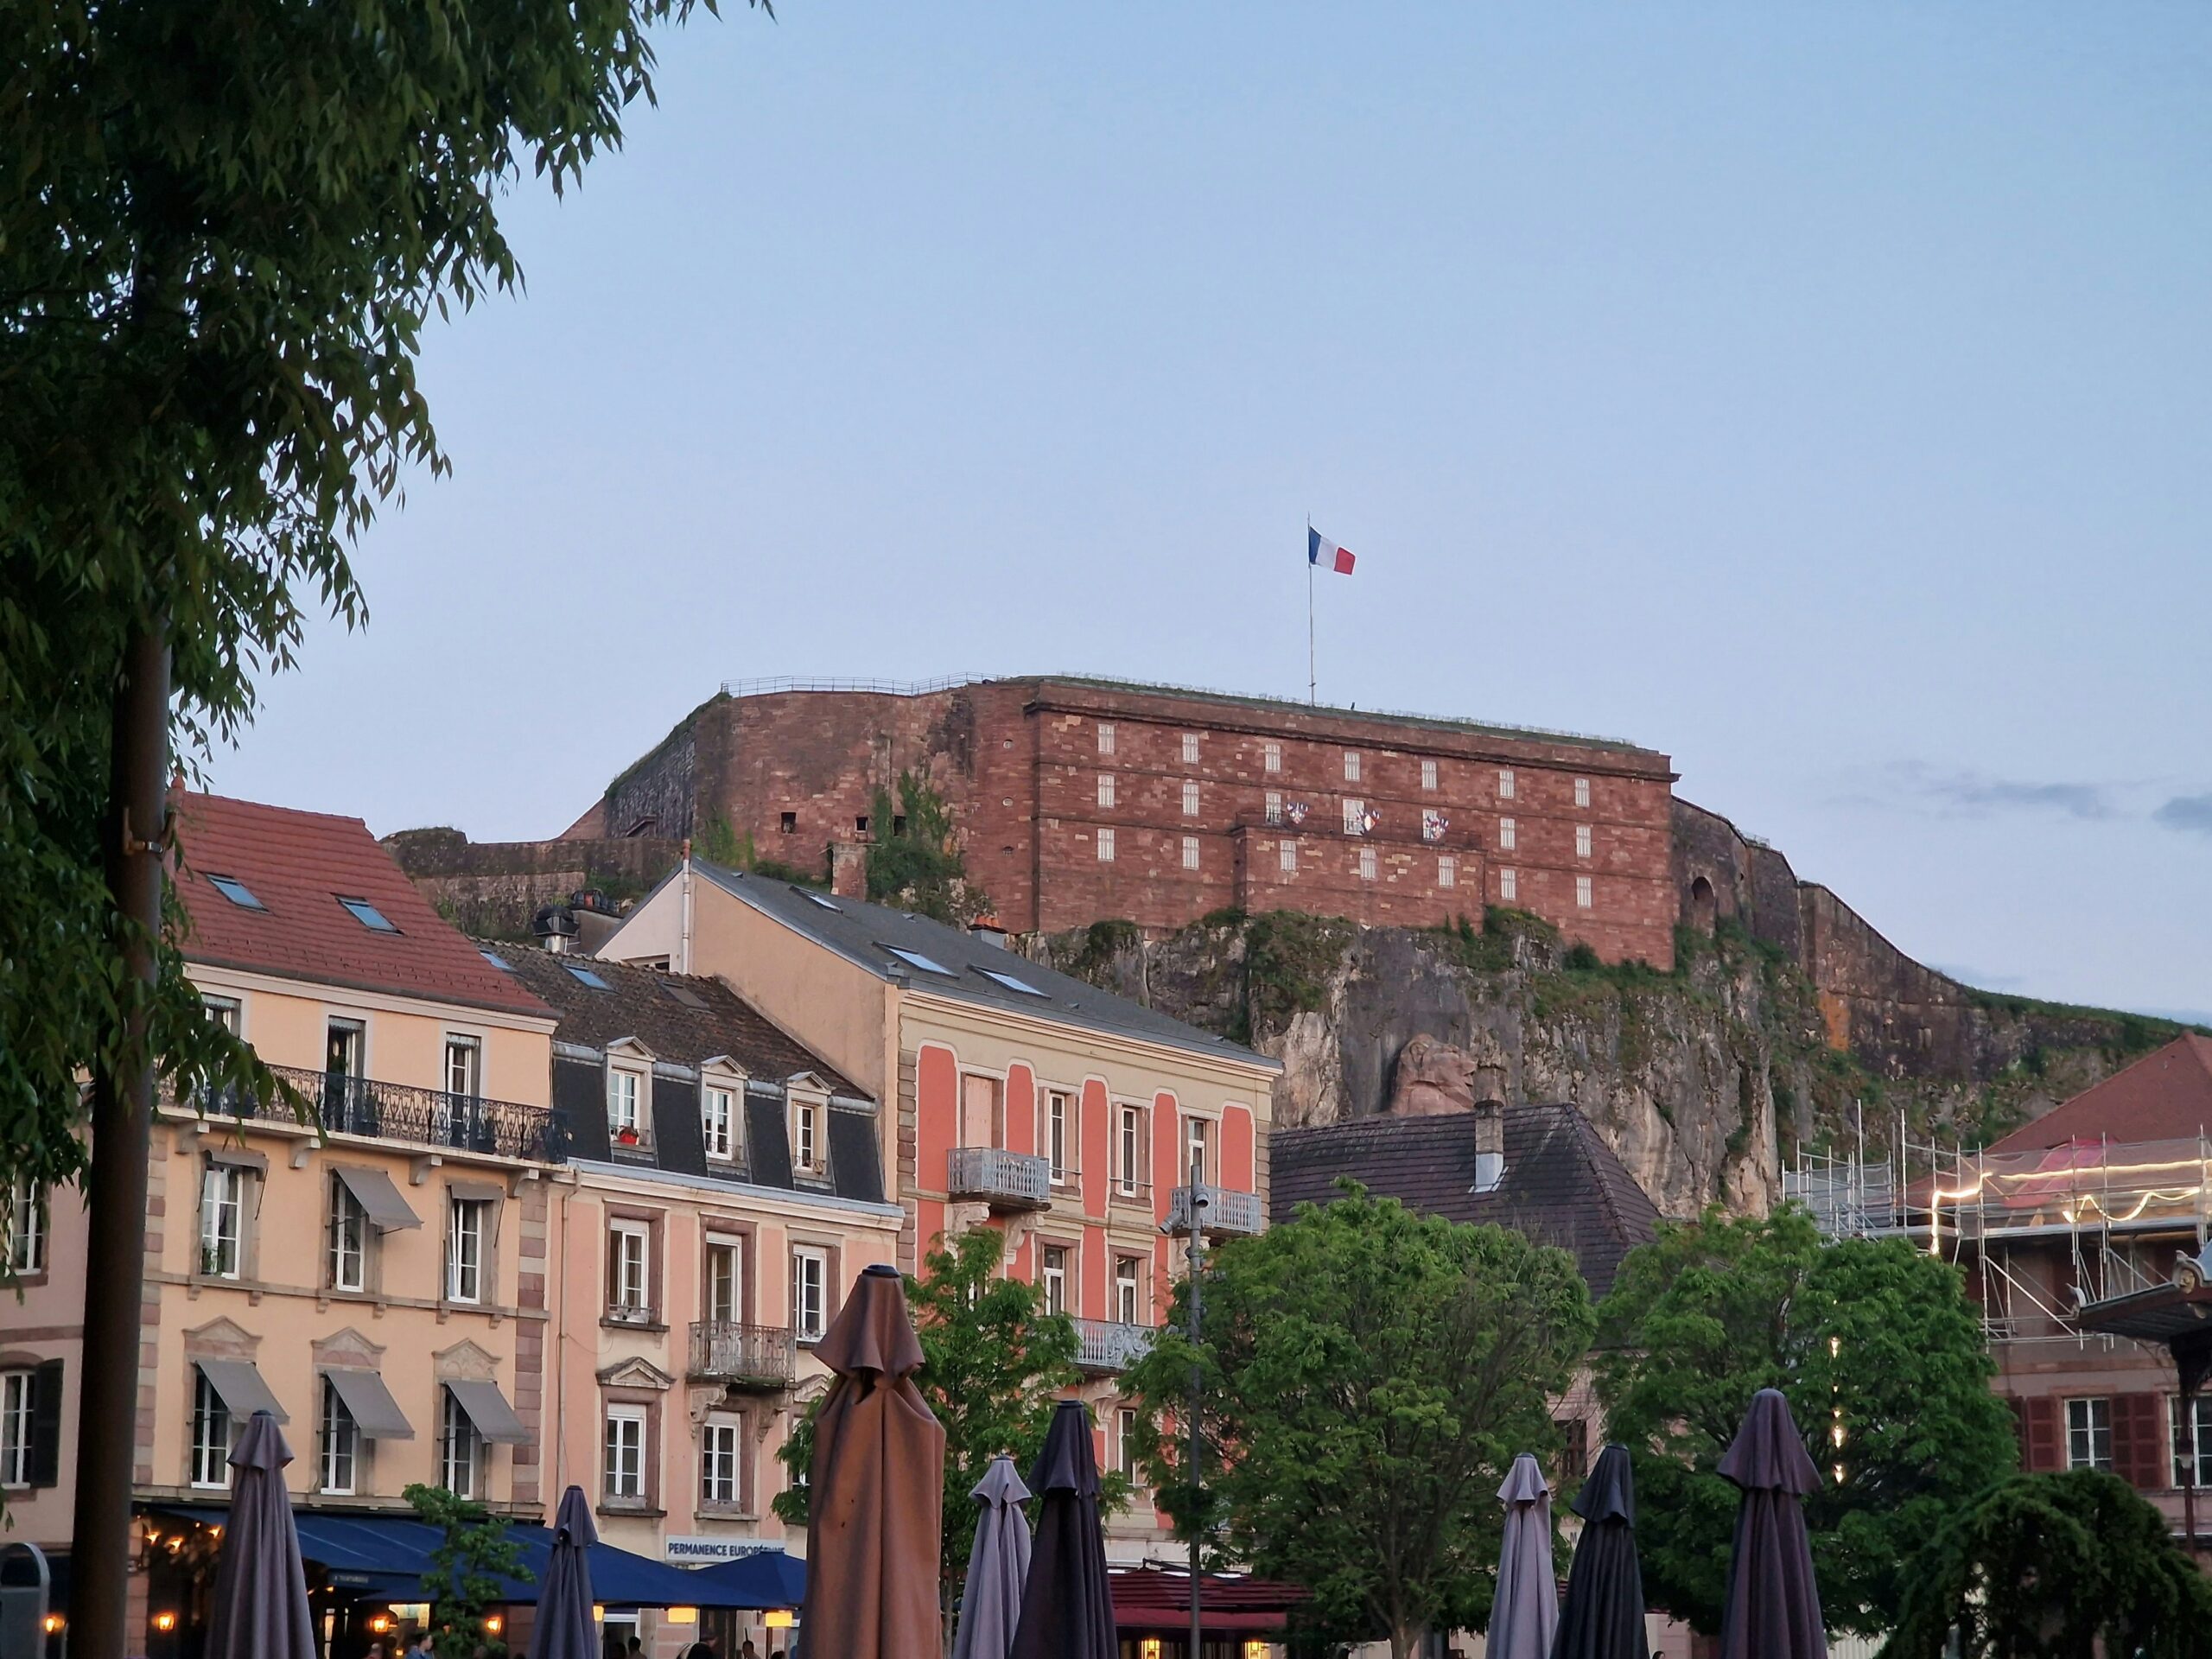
1197 1254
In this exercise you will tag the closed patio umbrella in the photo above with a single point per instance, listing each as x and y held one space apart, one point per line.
1773 1609
260 1609
1524 1614
564 1629
876 1497
1602 1616
991 1605
1067 1610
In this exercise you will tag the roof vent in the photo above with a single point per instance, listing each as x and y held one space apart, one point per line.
1489 1145
555 927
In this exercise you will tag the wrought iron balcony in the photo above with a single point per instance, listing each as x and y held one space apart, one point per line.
1222 1211
1102 1347
743 1355
392 1111
1003 1179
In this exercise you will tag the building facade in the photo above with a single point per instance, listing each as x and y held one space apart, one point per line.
1080 799
1081 1125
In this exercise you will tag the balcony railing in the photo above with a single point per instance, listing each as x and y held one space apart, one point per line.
1222 1211
1103 1347
392 1111
1005 1180
743 1355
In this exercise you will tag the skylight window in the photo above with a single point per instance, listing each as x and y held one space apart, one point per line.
366 915
236 891
916 959
1011 982
812 897
497 961
685 995
585 976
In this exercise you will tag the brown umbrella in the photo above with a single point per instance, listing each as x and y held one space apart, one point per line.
876 1491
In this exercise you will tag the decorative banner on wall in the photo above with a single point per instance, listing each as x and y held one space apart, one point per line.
1432 826
1295 812
1368 820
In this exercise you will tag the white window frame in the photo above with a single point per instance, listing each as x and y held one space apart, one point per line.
1505 783
1190 748
1447 870
1287 857
464 1248
1128 1291
721 1247
222 1221
1052 1275
1124 1448
460 1449
626 1096
1370 866
2201 1445
1106 736
808 1133
345 1257
1352 766
1271 757
1198 1138
1190 852
1059 1119
18 1413
1275 806
1128 1143
721 1450
1191 802
1509 835
1582 791
2085 1428
213 1433
629 1269
28 1222
1428 774
809 1321
622 1441
1585 841
1106 791
1106 846
228 1012
464 1066
338 1451
718 1120
1586 893
1355 816
1509 887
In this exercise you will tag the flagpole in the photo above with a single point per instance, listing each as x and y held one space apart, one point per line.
1312 680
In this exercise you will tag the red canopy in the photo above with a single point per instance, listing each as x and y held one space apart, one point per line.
1154 1598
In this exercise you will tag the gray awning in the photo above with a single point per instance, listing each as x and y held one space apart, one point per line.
488 1410
373 1190
374 1410
238 1381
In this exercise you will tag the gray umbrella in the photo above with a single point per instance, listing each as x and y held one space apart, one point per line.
991 1605
260 1610
563 1628
1524 1617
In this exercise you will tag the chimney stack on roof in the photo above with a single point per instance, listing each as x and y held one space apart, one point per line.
987 931
555 927
1489 1145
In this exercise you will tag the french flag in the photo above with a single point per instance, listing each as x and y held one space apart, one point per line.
1320 550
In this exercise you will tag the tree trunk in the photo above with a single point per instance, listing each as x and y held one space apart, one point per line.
1406 1639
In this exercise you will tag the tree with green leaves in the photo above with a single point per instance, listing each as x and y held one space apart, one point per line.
1885 1369
1368 1376
994 1364
2053 1566
914 860
463 1571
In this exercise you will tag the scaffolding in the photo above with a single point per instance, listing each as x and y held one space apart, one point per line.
2038 1232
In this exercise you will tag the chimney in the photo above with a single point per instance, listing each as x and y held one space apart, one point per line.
1489 1145
555 927
985 929
848 870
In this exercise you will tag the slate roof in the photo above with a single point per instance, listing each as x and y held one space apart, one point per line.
680 1017
2165 1095
866 934
298 865
1562 1184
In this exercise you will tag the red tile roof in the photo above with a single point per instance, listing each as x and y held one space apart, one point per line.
298 865
2165 1095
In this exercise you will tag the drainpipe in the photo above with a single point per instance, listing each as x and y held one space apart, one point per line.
684 962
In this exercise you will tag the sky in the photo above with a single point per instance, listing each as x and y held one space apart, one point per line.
1822 395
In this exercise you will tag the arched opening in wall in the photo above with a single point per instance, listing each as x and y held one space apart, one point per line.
1704 907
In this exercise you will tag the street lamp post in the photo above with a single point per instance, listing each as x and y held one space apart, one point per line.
1198 1209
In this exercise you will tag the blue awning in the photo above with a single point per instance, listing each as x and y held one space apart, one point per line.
769 1579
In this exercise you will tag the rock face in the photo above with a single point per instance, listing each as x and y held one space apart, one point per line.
1433 1078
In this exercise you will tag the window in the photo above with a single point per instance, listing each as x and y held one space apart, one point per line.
725 1299
343 1041
1275 806
18 1407
1509 887
1125 1442
1105 788
2192 1439
347 1266
624 1114
210 1433
1191 799
1355 816
1505 783
222 1220
465 1250
720 1437
366 915
1287 856
1105 845
460 1450
1190 748
1128 1149
341 1442
1367 864
1352 766
497 961
820 903
26 1221
1574 1448
1128 1276
1582 893
1198 1146
625 1454
787 823
1447 871
1583 841
223 1011
927 963
464 1067
1582 791
1105 737
629 1263
1428 774
1508 835
1054 1273
1057 1123
585 978
2089 1434
718 1121
809 1292
1190 852
1271 756
236 891
806 1137
1010 982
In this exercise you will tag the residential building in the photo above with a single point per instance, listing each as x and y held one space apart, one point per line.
1079 1124
379 1281
728 1188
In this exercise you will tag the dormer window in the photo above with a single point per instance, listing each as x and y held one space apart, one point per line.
718 1107
810 1134
626 1119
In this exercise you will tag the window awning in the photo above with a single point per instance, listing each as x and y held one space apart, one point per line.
379 1199
488 1410
374 1411
239 1383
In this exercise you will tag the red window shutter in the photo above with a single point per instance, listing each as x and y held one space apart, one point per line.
2020 1426
2045 1453
2138 1453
